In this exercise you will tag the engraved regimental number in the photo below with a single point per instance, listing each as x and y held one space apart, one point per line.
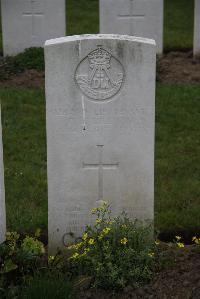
99 75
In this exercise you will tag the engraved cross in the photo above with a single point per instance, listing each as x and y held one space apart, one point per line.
100 166
33 15
132 16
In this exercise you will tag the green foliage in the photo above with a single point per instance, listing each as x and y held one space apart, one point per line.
31 246
46 286
19 253
32 58
114 252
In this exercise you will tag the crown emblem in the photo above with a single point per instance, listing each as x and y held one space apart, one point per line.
99 75
99 57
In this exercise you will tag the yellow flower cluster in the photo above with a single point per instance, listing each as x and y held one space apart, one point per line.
105 231
124 241
51 258
196 240
178 243
151 254
91 241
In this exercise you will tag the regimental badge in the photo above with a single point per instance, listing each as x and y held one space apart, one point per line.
99 75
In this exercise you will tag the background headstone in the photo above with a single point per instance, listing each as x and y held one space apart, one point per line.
2 192
100 92
197 28
29 23
133 17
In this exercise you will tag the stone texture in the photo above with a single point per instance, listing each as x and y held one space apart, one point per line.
142 18
100 92
2 192
197 28
29 23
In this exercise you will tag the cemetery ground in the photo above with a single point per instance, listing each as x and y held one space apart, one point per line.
177 190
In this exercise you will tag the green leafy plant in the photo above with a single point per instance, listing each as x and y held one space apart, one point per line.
114 252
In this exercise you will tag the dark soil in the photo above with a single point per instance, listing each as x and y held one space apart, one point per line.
172 67
26 79
180 281
178 67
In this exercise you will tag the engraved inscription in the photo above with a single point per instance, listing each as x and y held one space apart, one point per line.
34 15
132 17
99 75
100 166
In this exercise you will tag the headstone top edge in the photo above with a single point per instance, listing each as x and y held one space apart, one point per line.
73 38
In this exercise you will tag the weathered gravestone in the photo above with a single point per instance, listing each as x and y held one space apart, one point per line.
134 17
197 28
100 92
2 194
29 23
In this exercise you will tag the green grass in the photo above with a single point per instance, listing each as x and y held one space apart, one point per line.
177 199
83 17
177 157
43 287
179 24
25 158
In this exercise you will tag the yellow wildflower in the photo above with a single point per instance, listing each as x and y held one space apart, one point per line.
71 247
91 241
151 254
98 220
51 258
180 245
124 241
178 238
194 238
106 230
93 211
157 242
86 250
85 236
124 226
74 256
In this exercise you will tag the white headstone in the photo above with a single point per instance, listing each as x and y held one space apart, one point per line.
197 28
100 92
29 23
133 17
2 192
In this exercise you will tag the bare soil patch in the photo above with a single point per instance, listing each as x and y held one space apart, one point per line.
172 67
178 67
27 79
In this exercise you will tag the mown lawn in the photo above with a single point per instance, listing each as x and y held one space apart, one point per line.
83 17
177 197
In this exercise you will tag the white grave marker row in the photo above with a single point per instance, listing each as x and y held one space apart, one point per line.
142 18
2 192
100 92
197 28
29 23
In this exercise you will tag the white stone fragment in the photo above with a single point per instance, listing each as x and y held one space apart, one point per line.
197 28
134 17
29 23
100 93
2 192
